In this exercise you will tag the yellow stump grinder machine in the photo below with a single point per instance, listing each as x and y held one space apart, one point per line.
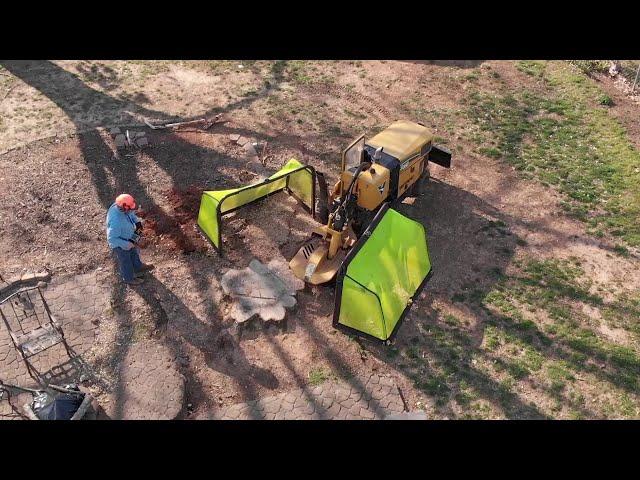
384 169
377 256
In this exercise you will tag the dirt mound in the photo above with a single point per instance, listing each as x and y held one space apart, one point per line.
175 230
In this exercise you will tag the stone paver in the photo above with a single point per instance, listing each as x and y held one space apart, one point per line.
76 303
408 416
152 388
120 140
344 400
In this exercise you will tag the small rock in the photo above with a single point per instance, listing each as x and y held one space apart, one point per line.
250 149
254 166
242 141
42 284
114 131
120 141
142 142
234 137
43 276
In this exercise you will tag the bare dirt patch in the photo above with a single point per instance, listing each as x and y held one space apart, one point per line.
177 231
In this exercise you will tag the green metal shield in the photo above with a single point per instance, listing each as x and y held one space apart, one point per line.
294 177
382 274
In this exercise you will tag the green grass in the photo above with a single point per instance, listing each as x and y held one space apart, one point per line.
621 250
561 136
589 67
299 72
318 375
533 68
605 100
624 313
559 371
570 346
140 331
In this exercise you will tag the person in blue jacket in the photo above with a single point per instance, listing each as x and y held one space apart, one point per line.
123 233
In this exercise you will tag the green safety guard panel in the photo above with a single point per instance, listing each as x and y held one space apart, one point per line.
381 275
297 178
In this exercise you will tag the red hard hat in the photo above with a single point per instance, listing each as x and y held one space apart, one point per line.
125 200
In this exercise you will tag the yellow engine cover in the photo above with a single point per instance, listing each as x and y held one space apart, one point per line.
372 187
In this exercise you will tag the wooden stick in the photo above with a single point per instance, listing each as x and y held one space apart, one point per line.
171 125
264 149
633 89
153 127
8 92
178 124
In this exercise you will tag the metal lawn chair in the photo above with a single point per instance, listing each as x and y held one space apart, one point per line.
32 327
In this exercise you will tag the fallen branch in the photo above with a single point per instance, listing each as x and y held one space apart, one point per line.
404 402
264 149
171 125
194 130
153 127
8 92
179 124
216 119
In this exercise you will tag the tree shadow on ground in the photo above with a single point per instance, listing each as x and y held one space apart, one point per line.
470 246
176 323
74 97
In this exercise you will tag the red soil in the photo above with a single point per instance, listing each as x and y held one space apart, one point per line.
176 229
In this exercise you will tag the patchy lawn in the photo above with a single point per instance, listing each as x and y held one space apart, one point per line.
561 133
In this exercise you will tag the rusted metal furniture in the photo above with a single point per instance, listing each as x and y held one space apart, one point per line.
32 327
85 409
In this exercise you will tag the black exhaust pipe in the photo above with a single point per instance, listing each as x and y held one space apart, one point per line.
322 208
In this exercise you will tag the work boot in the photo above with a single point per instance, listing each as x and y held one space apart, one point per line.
135 281
146 267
